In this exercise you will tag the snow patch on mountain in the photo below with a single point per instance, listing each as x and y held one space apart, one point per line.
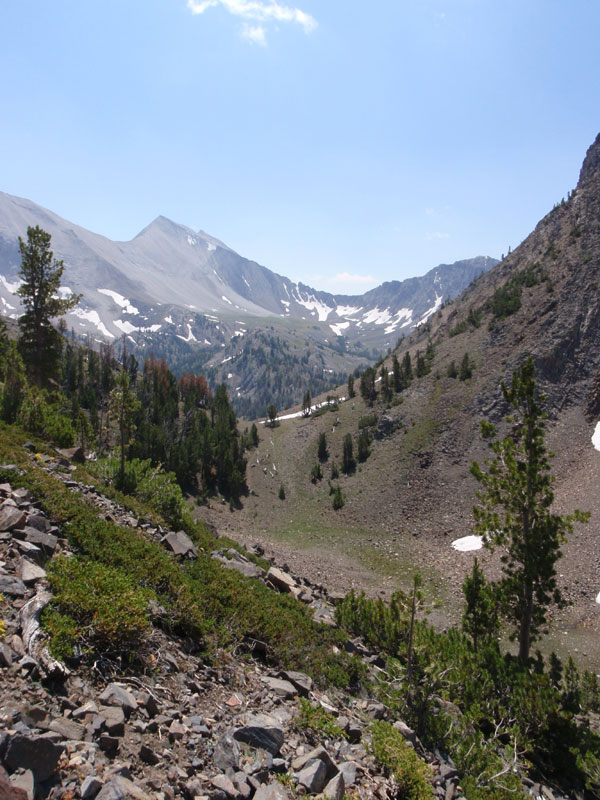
347 311
312 304
402 314
435 307
121 301
226 300
377 317
12 287
190 337
339 328
94 318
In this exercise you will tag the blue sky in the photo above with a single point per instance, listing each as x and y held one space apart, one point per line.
337 142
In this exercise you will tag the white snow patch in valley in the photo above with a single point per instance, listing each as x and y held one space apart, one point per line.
125 326
286 303
94 318
229 358
238 333
5 304
312 304
467 543
190 337
596 436
206 341
210 246
377 317
169 319
339 328
226 299
191 240
121 301
229 375
598 598
63 292
12 287
347 311
403 313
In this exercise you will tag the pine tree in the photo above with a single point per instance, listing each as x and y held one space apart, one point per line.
518 481
272 414
466 370
351 392
363 450
322 452
306 404
123 405
480 617
348 462
41 274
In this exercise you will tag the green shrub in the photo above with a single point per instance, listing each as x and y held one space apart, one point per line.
391 750
317 723
102 603
367 421
338 498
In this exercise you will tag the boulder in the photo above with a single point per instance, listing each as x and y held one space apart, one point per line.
68 729
117 695
282 688
226 754
14 587
180 544
280 580
271 791
302 682
11 518
37 753
313 775
336 788
29 572
261 731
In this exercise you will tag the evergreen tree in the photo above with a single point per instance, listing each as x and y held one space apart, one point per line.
15 384
386 387
466 370
363 445
398 376
367 386
351 392
282 492
272 414
407 372
306 404
41 273
338 498
518 480
348 462
254 435
480 617
123 404
322 452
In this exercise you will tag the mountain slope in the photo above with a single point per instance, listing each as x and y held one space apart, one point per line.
414 494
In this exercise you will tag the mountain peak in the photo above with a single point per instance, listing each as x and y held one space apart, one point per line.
591 162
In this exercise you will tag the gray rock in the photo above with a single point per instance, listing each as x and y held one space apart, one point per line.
47 542
318 753
282 688
223 783
336 787
272 791
114 719
14 587
24 781
29 572
7 656
11 518
313 775
302 682
39 522
117 695
37 753
119 788
226 754
348 770
108 744
180 544
10 792
148 756
261 731
90 787
68 729
280 579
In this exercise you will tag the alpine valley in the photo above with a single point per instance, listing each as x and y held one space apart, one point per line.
187 296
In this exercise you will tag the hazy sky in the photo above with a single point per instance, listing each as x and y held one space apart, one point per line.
339 142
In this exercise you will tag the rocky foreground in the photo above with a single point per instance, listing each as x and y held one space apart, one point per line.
188 727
